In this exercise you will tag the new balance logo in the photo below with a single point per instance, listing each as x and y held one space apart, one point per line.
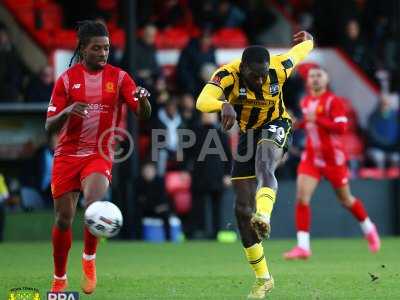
76 86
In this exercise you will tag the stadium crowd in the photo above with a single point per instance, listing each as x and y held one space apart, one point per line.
364 29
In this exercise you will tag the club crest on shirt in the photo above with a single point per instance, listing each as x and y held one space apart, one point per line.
320 109
274 88
110 87
242 92
216 79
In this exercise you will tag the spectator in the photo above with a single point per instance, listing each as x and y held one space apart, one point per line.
212 174
152 197
10 68
356 47
188 111
39 88
37 176
198 52
146 68
384 134
146 65
172 13
168 119
228 15
203 12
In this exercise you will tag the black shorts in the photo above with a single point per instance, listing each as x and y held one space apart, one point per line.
277 131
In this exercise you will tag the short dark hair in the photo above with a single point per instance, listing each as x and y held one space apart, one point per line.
85 31
255 54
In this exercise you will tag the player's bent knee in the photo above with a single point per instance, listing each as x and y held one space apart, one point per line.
64 221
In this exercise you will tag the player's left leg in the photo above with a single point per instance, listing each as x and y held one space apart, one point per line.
94 188
268 156
357 209
244 207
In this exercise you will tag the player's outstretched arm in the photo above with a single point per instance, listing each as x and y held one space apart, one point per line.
144 109
208 101
304 43
55 123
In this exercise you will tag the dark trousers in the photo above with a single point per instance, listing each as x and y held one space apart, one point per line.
197 216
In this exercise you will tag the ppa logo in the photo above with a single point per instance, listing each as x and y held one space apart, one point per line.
62 296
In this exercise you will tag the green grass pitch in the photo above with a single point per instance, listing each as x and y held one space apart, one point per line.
339 269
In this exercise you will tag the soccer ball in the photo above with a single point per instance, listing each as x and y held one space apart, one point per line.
103 219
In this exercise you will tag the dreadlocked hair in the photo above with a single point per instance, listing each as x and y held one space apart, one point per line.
85 31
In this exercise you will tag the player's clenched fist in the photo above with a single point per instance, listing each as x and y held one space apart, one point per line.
79 109
141 93
228 116
302 36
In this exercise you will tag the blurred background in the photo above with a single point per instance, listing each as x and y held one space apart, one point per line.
172 47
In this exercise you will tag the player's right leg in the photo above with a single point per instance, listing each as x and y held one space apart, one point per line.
64 208
357 209
244 208
95 180
306 186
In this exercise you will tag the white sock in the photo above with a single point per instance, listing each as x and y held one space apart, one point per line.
61 278
303 240
366 226
88 257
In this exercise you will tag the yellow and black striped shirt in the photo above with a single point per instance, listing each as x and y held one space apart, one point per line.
254 108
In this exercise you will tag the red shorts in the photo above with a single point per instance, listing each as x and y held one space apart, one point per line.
69 171
338 176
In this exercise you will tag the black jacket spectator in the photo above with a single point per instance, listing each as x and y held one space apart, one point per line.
197 53
10 68
39 88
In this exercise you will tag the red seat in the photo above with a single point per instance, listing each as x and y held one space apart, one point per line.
174 37
182 202
51 17
178 186
117 37
230 38
65 39
177 181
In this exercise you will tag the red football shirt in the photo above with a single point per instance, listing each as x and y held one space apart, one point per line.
105 91
324 145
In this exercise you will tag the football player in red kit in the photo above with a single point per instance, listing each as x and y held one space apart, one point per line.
85 105
324 122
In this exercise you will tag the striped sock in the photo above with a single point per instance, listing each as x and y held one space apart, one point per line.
256 259
265 199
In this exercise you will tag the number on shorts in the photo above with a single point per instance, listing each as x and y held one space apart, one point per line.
280 132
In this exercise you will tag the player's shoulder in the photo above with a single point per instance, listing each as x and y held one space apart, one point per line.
226 74
230 68
280 64
114 70
332 97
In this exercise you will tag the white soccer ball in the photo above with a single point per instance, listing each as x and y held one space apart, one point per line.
103 219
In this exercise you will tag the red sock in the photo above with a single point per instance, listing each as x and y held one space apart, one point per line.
90 242
62 240
358 210
303 217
